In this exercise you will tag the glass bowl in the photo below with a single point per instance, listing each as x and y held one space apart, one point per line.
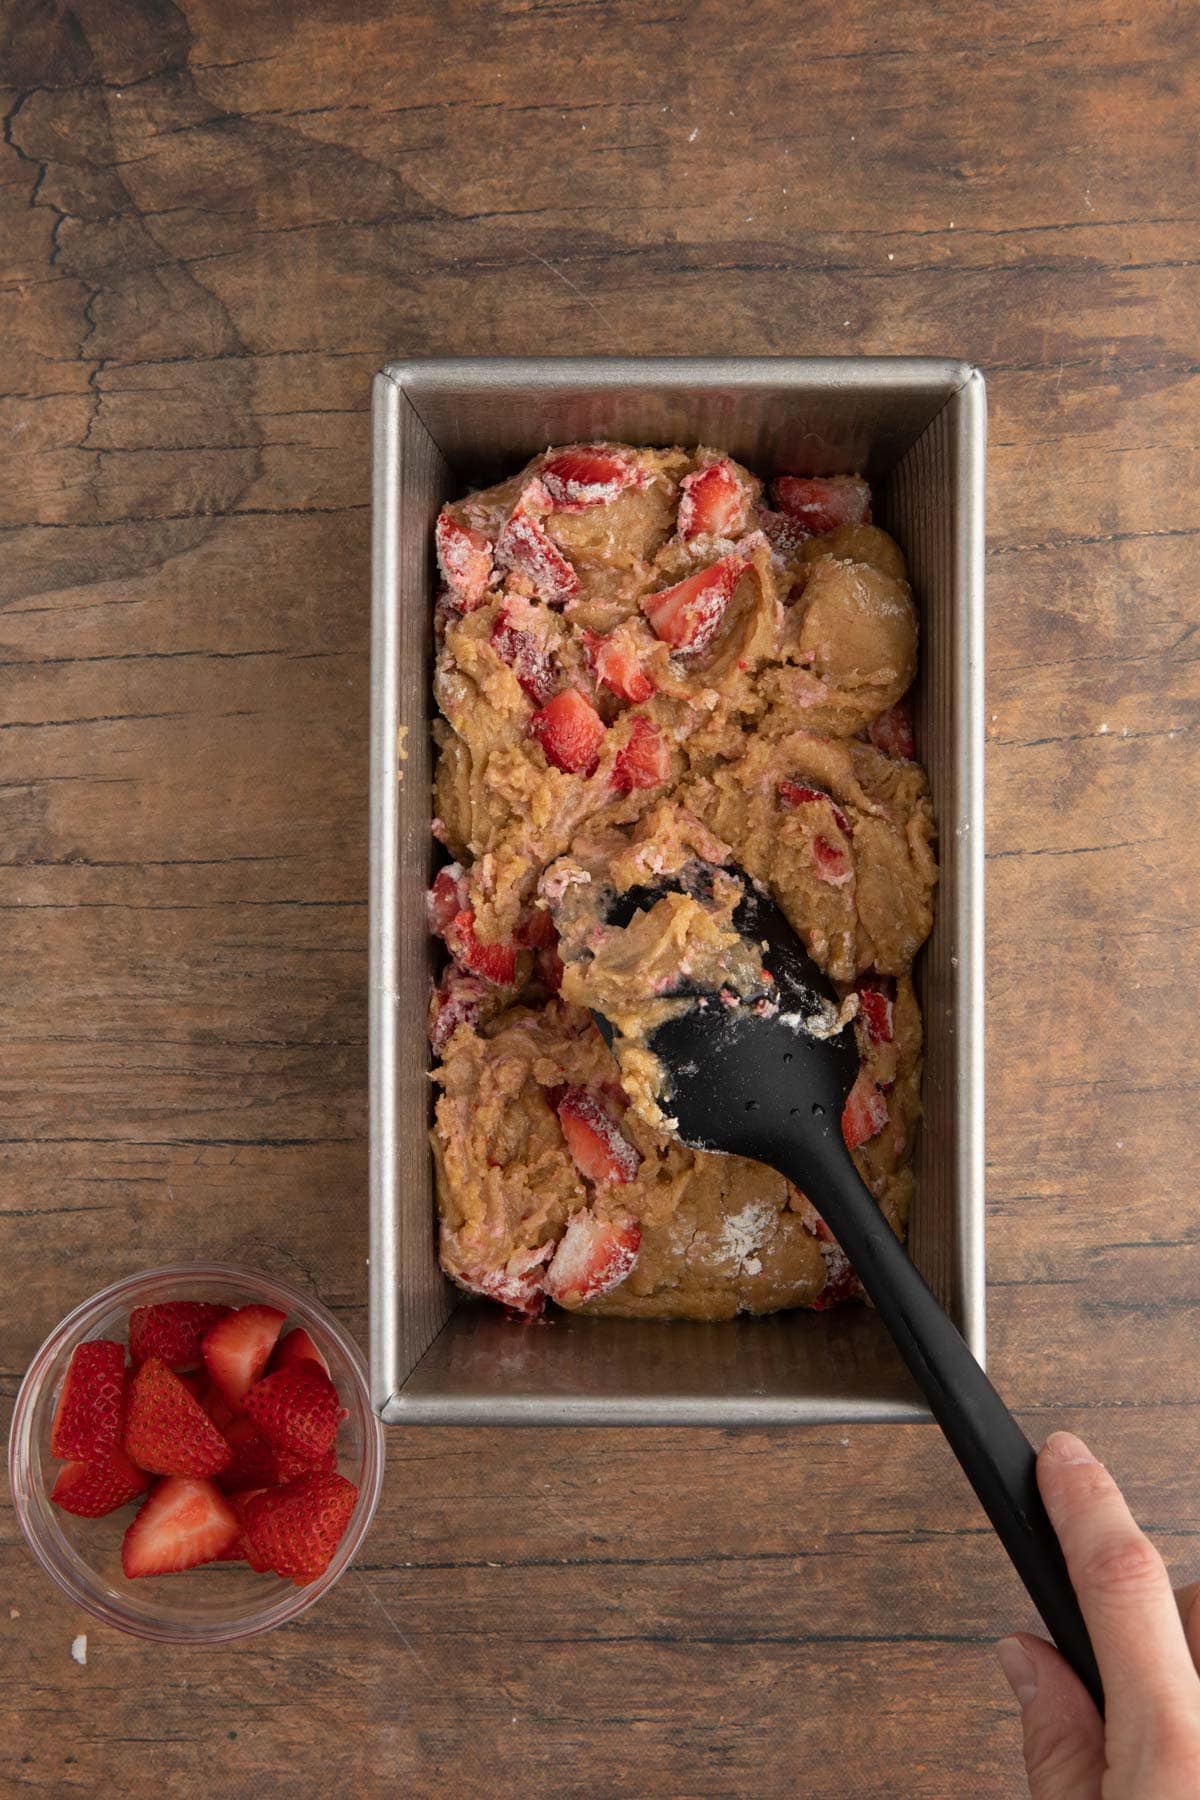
218 1602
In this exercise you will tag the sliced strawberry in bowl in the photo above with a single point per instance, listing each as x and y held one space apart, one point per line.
252 1462
892 732
526 656
294 1530
865 1113
167 1431
712 502
465 560
173 1331
495 963
296 1410
644 761
90 1489
593 1256
599 1148
525 547
688 615
296 1346
570 731
183 1523
615 663
238 1348
823 502
586 476
87 1419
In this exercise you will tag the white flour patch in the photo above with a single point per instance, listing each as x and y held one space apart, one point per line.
742 1235
79 1650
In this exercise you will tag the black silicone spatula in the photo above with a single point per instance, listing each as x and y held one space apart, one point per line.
758 1082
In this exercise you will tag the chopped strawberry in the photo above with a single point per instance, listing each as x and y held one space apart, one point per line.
823 502
524 546
294 1530
688 615
238 1347
213 1401
787 537
458 1000
614 662
833 863
712 502
252 1462
537 929
448 896
892 731
297 1411
841 1283
865 1113
172 1331
570 731
599 1148
798 793
183 1523
586 477
496 963
645 761
296 1346
593 1256
526 657
516 1285
875 1009
166 1430
87 1420
89 1489
288 1467
238 1503
465 560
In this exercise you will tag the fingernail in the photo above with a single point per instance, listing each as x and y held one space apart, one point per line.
1018 1668
1065 1447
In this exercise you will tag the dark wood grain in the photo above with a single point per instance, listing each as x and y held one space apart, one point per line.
217 220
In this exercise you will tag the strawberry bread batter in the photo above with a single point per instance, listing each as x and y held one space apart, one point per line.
644 662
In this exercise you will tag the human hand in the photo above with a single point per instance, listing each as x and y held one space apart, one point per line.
1147 1644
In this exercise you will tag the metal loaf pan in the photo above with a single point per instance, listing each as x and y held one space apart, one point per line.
916 427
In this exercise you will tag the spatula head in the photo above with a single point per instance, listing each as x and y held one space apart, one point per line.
743 1075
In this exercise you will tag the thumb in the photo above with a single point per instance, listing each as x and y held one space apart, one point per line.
1064 1735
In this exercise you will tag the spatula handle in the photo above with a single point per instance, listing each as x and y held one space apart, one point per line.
997 1457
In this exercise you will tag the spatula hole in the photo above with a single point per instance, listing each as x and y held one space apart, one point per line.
752 1106
818 1111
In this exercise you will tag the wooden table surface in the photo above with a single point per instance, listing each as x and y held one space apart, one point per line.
218 219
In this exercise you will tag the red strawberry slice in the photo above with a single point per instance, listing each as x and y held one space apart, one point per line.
537 929
252 1460
526 657
599 1148
172 1331
787 537
166 1430
833 863
516 1285
644 762
294 1347
875 1010
297 1410
892 732
448 896
91 1489
294 1530
823 502
213 1401
865 1113
238 1347
570 731
496 963
712 502
614 662
526 548
593 1256
87 1420
688 615
841 1283
465 560
457 1001
237 1504
798 793
288 1467
183 1523
586 477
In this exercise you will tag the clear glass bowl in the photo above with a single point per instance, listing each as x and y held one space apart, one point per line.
217 1602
